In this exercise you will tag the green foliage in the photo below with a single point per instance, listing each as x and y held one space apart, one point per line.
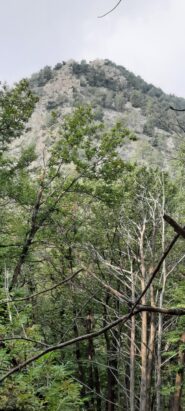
58 66
89 147
16 106
136 99
115 93
45 386
42 77
148 128
27 156
85 210
95 78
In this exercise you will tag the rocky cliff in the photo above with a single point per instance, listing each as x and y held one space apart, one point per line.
115 94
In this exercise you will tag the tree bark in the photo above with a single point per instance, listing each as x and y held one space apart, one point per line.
132 352
177 406
151 351
78 358
143 389
111 366
93 378
143 386
160 322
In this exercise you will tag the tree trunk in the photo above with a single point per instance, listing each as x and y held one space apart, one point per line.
179 380
97 387
90 352
112 381
158 365
143 387
151 350
78 359
160 323
132 352
93 378
112 372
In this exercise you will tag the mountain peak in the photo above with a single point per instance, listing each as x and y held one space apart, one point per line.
115 94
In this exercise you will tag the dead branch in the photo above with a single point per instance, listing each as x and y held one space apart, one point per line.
176 109
156 270
123 320
29 297
177 228
112 290
24 339
110 11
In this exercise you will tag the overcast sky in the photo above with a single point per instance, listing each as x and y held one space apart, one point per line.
145 36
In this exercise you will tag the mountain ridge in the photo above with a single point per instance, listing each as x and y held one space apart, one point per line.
115 94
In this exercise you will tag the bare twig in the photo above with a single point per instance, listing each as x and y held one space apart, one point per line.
43 291
112 290
176 109
24 339
110 11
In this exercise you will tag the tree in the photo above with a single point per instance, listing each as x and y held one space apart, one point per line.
89 150
79 261
16 106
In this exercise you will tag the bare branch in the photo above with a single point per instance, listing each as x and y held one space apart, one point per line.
10 245
177 228
43 291
24 339
110 11
156 270
123 319
176 109
111 289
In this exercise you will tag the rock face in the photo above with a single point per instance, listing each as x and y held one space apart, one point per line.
115 94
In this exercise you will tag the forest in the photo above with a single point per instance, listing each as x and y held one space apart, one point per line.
92 285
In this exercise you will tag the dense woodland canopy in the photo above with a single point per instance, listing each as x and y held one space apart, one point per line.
80 238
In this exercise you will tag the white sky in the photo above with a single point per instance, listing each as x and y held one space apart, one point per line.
145 36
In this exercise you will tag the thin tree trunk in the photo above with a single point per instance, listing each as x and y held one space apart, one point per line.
158 367
112 365
94 379
112 380
90 353
177 406
160 321
132 351
143 387
151 348
78 358
151 324
97 387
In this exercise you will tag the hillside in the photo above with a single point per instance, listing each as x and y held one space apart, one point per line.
115 94
92 278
